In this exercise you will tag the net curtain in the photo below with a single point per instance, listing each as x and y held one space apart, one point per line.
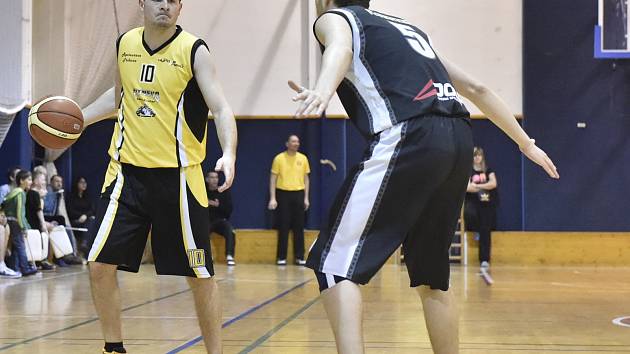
91 29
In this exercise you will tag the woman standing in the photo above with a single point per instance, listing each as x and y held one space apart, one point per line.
481 202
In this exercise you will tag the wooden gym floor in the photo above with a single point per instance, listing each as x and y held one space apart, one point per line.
537 309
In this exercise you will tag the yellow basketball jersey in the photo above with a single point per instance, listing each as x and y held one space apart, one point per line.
162 119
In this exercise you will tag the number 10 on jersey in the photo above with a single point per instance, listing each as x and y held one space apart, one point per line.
148 73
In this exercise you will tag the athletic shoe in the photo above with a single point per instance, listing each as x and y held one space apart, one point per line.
230 261
300 262
115 351
30 271
9 273
72 259
44 265
485 265
281 262
61 263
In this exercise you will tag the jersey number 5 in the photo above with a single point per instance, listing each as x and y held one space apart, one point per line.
415 39
148 73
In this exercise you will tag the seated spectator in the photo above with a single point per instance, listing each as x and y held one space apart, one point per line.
15 209
81 212
5 189
220 210
35 216
52 214
5 233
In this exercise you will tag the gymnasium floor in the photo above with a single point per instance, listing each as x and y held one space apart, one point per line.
276 310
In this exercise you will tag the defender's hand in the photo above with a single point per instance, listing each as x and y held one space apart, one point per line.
312 102
538 156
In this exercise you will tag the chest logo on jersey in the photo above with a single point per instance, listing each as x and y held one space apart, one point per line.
171 62
147 95
130 57
145 112
444 92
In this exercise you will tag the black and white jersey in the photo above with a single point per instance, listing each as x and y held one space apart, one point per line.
395 74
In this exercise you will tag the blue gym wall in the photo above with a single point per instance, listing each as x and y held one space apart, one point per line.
564 85
333 139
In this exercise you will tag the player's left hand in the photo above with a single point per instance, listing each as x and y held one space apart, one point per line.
226 165
307 204
312 101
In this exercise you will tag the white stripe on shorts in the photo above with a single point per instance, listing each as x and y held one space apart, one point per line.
362 204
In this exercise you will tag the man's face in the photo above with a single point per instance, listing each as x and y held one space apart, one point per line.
213 180
3 218
293 144
56 183
161 13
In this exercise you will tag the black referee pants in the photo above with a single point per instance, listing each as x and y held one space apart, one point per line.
290 217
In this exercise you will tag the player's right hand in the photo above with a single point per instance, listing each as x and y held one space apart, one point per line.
273 204
538 156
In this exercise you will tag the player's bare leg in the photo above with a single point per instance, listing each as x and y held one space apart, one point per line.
344 306
208 307
442 319
106 297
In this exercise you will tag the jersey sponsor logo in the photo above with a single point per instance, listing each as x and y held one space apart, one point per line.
196 258
145 112
444 92
146 95
147 74
130 57
171 62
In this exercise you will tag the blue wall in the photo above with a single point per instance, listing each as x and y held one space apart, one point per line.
335 139
564 85
17 148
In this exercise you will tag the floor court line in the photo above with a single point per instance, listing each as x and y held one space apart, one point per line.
24 282
240 316
278 327
93 319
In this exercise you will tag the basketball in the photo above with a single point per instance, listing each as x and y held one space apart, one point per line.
55 122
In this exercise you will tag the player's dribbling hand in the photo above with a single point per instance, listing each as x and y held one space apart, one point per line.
226 165
312 102
538 156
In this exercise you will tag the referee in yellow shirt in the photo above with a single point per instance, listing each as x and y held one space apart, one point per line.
288 190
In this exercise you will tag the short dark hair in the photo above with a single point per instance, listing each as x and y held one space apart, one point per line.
364 3
55 176
22 175
12 172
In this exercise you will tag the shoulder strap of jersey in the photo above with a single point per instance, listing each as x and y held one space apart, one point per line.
340 12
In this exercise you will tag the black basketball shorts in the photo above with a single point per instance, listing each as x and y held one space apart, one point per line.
170 203
409 190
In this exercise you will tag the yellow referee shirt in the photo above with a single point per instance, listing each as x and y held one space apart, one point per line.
162 119
290 170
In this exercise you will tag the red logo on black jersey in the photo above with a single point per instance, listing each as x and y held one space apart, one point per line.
427 92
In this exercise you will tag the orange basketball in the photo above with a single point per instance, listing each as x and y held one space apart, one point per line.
55 122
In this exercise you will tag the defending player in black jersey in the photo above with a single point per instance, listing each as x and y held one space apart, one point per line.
410 187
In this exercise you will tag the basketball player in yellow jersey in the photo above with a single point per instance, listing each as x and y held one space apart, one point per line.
165 85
